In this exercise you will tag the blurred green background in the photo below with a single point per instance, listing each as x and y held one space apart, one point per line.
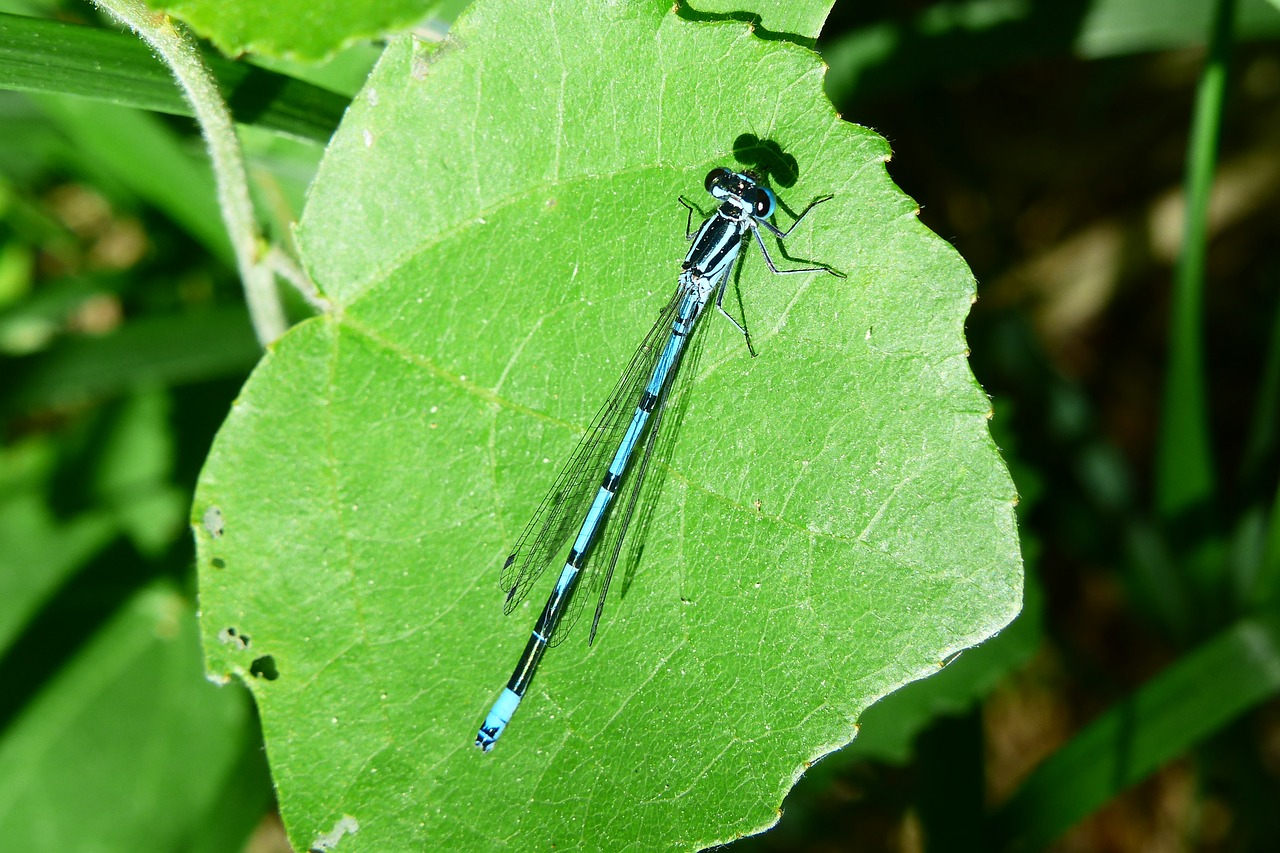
1132 706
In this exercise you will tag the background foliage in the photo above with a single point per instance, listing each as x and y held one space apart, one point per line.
1133 700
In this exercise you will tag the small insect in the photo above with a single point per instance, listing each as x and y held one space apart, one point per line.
641 392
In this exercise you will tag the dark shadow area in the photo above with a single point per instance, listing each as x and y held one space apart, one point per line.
874 53
766 158
686 12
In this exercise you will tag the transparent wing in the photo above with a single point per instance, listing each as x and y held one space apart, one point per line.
637 510
564 507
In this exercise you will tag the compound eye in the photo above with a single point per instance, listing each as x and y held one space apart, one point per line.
717 177
761 200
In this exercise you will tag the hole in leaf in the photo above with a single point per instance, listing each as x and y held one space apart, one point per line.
218 563
232 637
264 667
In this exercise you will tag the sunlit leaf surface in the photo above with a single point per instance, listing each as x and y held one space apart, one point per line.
497 224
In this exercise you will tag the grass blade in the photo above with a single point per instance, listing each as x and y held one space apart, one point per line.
1179 708
49 56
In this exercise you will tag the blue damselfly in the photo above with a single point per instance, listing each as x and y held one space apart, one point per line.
640 395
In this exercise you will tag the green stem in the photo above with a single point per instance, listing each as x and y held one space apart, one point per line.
282 264
1184 464
179 52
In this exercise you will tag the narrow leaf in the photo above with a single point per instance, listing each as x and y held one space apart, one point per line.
49 56
129 739
1179 708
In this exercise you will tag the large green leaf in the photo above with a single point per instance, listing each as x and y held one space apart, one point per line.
497 224
887 731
